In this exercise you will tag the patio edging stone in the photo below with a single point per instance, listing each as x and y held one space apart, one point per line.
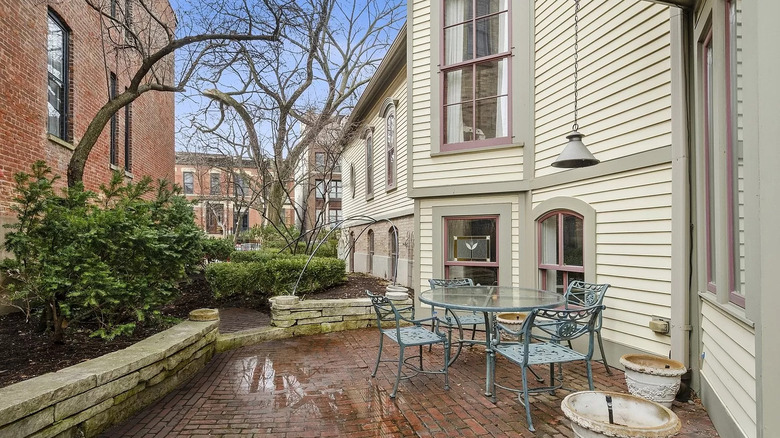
87 398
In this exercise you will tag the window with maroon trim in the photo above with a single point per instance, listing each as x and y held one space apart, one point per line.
561 248
471 248
390 148
734 164
709 161
475 59
369 163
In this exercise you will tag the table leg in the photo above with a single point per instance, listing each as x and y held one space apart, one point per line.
491 357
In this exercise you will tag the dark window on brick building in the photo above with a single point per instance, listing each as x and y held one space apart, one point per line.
114 154
215 185
189 183
58 61
129 137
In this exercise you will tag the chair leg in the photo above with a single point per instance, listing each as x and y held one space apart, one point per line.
378 356
446 367
398 376
603 357
526 402
590 375
421 365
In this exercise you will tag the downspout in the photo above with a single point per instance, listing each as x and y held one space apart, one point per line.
681 190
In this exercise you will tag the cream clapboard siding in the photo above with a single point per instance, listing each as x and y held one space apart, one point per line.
384 204
624 78
633 249
427 229
488 166
729 364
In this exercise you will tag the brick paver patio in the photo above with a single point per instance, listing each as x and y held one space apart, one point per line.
320 386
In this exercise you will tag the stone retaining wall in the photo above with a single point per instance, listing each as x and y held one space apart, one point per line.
310 317
85 399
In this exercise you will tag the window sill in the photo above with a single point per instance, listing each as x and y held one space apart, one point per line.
113 167
391 189
61 142
730 309
369 197
128 174
477 149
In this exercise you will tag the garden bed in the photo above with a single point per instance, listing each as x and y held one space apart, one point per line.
29 353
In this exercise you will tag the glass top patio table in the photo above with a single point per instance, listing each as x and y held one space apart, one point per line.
490 300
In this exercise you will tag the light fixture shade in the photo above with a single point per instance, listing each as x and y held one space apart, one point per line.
575 154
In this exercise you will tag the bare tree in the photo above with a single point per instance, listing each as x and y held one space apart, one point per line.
279 103
144 34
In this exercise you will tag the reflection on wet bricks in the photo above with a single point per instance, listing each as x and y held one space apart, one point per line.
320 386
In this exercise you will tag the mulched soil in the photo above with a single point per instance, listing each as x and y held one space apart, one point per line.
27 352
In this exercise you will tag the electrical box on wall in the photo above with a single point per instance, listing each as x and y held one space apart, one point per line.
659 325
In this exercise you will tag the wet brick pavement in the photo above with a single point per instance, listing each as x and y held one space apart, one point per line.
320 386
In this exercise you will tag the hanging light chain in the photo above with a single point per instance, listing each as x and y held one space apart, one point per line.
576 39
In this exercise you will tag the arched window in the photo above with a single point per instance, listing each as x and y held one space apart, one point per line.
390 148
369 164
370 251
392 235
561 249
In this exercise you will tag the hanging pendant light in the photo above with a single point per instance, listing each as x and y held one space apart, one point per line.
575 154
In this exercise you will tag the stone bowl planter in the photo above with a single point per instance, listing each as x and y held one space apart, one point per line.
512 320
655 378
632 416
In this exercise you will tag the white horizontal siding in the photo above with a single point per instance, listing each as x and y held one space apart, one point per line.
624 80
384 203
729 365
633 249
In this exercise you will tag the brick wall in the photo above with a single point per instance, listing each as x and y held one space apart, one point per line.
23 99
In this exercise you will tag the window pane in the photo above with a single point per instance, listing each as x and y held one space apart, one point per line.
472 240
492 78
458 43
55 104
492 118
188 183
482 275
56 65
369 165
457 11
572 240
56 49
215 186
737 177
485 7
319 189
459 85
549 243
492 36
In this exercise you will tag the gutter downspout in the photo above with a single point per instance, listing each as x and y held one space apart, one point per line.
681 191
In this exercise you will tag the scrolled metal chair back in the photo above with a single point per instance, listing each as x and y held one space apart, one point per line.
449 282
556 325
584 294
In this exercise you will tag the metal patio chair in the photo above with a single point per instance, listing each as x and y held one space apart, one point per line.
406 332
472 319
579 295
542 334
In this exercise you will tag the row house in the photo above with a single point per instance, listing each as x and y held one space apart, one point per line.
226 192
678 100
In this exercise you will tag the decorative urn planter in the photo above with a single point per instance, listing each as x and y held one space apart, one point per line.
612 414
511 320
655 378
395 292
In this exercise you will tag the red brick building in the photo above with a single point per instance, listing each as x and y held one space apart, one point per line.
56 73
228 192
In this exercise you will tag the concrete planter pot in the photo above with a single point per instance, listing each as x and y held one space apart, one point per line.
632 416
655 378
512 320
285 300
394 292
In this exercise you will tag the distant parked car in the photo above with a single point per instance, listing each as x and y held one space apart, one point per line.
250 246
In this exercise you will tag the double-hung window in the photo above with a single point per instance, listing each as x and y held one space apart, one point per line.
58 61
475 72
215 186
188 179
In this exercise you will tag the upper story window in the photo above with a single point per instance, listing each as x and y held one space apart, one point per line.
319 161
333 188
369 164
475 72
113 149
129 137
561 250
58 61
214 185
239 186
188 179
390 148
